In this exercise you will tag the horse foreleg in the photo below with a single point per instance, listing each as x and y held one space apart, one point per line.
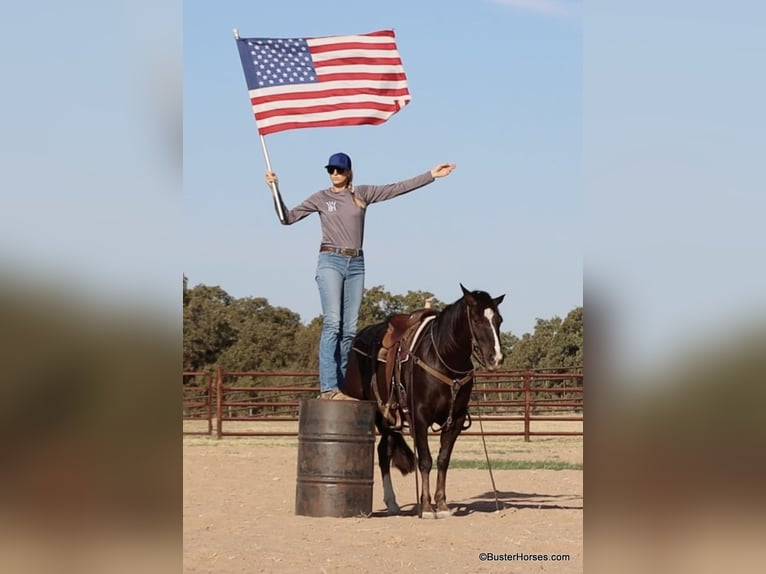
384 461
448 438
424 464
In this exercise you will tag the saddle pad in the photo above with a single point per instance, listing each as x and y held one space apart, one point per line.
420 329
404 357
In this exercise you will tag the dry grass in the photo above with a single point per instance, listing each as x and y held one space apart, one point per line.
499 448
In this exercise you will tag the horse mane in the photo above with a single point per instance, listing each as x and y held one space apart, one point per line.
447 323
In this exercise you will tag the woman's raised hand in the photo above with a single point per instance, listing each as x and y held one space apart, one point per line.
271 177
442 169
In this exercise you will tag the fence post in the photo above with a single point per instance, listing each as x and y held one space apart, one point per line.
209 401
218 403
527 401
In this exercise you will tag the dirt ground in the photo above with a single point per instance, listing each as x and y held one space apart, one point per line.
239 513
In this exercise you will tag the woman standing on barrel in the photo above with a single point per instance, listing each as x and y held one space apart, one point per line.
340 268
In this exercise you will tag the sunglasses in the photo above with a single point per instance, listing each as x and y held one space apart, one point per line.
331 170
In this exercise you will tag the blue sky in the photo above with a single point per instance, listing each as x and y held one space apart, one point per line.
629 132
497 89
675 198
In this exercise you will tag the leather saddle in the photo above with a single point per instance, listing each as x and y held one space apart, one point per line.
402 331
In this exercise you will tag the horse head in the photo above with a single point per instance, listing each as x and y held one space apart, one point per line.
484 321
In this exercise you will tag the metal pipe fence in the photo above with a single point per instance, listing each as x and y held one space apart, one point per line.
234 399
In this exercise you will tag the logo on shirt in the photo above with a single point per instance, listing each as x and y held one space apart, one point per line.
331 206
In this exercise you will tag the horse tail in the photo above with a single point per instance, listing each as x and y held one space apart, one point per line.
402 456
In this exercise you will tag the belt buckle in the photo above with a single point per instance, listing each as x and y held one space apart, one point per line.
348 252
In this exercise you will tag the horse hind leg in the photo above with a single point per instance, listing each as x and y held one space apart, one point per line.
384 461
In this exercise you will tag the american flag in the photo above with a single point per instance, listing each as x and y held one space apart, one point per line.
321 82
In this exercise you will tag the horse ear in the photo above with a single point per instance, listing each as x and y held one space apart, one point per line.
499 300
466 293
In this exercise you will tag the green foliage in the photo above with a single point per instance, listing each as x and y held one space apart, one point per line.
208 330
249 334
378 304
553 344
307 340
265 337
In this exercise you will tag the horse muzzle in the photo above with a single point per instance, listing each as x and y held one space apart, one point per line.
495 362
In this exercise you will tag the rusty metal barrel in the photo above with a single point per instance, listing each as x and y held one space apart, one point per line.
336 445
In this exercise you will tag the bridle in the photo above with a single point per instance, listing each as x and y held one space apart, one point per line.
455 384
475 350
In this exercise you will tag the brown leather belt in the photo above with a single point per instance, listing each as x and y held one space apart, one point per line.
341 251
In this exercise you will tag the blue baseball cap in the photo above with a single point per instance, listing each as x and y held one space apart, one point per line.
340 160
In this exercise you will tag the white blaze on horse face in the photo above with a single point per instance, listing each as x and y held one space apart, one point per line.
490 314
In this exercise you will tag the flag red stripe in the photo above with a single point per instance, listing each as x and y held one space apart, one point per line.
320 124
377 33
361 76
328 107
327 94
321 49
359 60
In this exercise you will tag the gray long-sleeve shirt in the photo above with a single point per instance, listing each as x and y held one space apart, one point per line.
342 220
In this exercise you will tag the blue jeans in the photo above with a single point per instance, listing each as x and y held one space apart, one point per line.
341 286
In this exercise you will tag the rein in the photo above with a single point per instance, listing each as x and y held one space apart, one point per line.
442 377
442 361
455 384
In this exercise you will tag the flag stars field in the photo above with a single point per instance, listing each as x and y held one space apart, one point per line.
323 81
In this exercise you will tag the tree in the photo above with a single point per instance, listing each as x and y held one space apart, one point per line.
207 328
265 337
565 346
307 345
414 300
378 304
553 344
249 334
507 343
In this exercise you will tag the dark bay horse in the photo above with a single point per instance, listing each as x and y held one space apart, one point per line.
428 373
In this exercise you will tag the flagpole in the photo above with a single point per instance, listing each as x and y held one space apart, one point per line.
274 186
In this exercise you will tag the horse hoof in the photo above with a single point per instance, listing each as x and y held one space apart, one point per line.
443 513
393 509
429 515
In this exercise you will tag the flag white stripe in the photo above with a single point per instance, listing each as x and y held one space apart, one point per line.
354 38
324 56
333 100
320 116
322 86
360 69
